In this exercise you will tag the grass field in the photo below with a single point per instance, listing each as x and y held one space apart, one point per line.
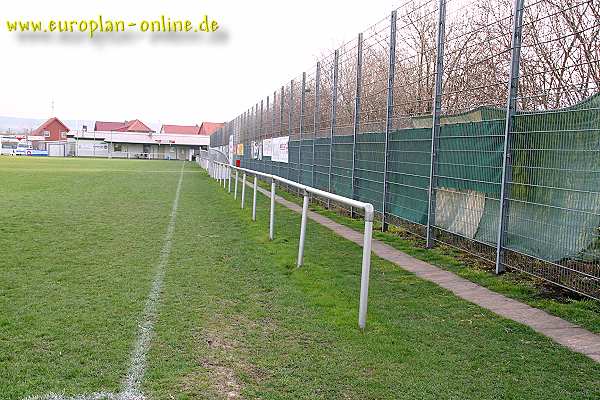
81 242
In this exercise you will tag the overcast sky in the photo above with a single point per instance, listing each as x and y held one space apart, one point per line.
260 45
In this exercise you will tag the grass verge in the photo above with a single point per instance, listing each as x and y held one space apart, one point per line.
519 286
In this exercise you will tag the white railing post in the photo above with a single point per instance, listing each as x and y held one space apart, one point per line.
221 176
243 188
307 191
303 229
229 179
236 183
272 212
254 199
366 267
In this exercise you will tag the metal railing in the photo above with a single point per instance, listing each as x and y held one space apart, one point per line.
223 173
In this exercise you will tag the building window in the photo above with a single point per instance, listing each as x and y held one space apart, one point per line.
46 133
119 147
63 135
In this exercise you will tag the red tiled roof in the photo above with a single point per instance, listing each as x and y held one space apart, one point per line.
208 128
45 125
137 126
108 126
181 129
128 126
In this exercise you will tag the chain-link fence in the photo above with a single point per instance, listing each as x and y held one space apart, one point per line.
471 123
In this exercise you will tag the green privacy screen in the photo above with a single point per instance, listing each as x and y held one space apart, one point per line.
554 199
554 204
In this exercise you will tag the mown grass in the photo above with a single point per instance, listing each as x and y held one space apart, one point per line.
238 319
78 243
535 292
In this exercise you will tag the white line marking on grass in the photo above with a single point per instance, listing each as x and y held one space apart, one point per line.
131 388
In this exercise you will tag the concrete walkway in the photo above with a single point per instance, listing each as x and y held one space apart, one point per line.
557 329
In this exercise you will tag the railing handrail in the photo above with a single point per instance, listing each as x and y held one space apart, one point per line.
223 171
367 207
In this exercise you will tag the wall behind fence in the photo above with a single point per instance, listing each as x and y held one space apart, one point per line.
475 124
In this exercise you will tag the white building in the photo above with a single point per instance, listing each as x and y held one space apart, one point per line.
134 139
142 145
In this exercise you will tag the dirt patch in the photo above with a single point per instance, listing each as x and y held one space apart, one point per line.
219 342
224 379
224 358
219 359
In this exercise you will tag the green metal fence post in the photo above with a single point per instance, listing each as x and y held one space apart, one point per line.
317 120
389 116
336 59
511 108
435 129
356 121
302 100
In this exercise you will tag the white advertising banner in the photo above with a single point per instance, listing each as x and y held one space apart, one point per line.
280 149
254 150
231 149
267 149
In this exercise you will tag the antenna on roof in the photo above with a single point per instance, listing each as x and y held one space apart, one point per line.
52 107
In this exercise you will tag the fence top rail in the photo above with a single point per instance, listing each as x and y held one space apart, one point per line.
367 207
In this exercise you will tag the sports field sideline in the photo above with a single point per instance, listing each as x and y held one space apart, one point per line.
143 279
